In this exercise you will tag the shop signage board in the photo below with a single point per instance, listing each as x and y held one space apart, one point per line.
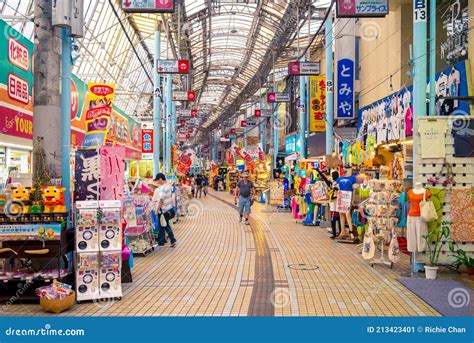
43 231
16 80
172 66
277 97
251 123
304 68
194 113
258 113
98 115
147 141
112 172
317 103
185 161
243 123
242 153
87 175
148 6
292 143
361 8
344 201
184 96
420 11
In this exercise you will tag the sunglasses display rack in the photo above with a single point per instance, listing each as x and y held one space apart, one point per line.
98 250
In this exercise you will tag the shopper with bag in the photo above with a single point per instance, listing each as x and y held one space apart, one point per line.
164 210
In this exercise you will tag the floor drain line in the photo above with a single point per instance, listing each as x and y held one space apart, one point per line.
303 266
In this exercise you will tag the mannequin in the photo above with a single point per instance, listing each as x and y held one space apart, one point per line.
416 227
346 183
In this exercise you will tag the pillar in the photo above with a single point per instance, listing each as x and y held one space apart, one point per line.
432 110
46 96
329 87
302 117
66 116
156 107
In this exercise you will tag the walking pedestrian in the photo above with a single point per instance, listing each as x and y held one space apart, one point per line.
164 210
245 192
199 182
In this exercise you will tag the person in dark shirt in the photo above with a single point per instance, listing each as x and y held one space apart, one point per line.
199 185
245 192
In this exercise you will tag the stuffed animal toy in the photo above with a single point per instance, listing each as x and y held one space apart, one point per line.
20 197
53 199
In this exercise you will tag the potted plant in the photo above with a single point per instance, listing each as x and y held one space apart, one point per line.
462 259
435 239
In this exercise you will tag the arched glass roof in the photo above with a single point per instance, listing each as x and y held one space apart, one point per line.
226 41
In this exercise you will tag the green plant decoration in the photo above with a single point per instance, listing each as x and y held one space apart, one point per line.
438 196
435 239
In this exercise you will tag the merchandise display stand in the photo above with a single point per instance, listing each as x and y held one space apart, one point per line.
98 256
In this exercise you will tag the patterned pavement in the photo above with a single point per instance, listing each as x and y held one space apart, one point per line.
273 267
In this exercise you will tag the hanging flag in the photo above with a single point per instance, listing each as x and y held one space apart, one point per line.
100 97
317 103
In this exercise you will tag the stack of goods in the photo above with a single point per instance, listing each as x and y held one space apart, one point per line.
57 290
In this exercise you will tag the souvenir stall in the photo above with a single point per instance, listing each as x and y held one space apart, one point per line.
444 174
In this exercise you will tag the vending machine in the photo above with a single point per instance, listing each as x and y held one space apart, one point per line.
110 233
109 279
87 276
87 226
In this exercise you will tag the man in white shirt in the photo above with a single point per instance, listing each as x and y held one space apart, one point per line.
164 207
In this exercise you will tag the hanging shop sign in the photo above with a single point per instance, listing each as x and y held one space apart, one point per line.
194 113
112 172
184 96
455 19
16 81
361 8
87 175
172 66
277 97
233 131
251 123
243 123
292 143
317 103
304 68
258 113
98 115
185 161
148 6
345 89
242 153
147 141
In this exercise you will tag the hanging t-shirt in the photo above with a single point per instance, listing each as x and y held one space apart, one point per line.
409 122
441 90
371 143
394 127
345 150
402 127
345 183
464 139
454 80
433 138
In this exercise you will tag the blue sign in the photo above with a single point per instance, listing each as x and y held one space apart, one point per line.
345 89
292 143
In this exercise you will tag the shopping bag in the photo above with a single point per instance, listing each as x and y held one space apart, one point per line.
427 210
368 246
394 249
163 222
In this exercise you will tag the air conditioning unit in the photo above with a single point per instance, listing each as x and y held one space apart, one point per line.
61 13
77 19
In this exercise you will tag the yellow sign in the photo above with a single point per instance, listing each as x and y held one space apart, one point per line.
317 103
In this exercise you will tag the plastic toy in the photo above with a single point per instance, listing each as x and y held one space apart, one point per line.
53 199
20 196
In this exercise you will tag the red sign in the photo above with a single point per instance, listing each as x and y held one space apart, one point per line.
191 96
101 90
258 113
18 54
294 68
16 123
182 122
233 131
97 112
183 66
190 130
188 135
227 136
243 123
140 6
17 88
271 97
194 113
74 100
147 141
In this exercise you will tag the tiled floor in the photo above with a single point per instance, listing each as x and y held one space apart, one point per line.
272 267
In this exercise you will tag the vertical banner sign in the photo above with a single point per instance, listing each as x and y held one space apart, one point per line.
243 154
174 156
16 81
317 103
112 172
186 160
147 141
98 116
419 11
229 157
345 69
87 175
